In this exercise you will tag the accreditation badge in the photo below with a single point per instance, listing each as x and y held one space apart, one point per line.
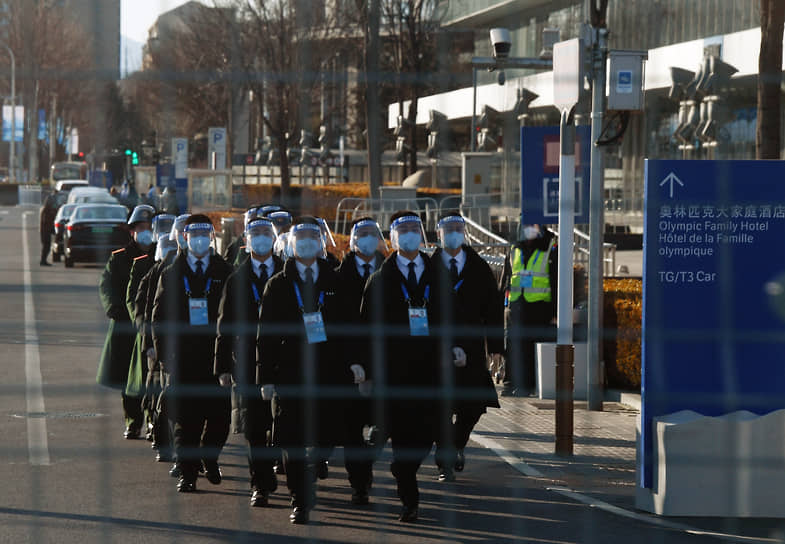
418 322
527 278
314 327
197 311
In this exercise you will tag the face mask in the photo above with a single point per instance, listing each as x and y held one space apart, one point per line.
530 233
261 244
367 244
453 240
199 245
409 241
307 248
181 241
144 238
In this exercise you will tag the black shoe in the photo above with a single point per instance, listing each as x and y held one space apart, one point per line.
186 486
408 514
321 470
44 263
175 471
446 475
299 515
460 461
259 498
164 456
507 391
360 497
212 472
131 433
279 468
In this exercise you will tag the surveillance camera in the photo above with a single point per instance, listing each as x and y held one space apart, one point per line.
501 42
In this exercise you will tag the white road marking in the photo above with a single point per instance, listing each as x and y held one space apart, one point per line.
37 443
524 468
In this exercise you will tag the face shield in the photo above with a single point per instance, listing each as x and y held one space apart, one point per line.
367 238
282 220
260 236
265 211
199 238
176 233
305 241
529 232
327 236
162 225
164 247
249 216
452 231
281 247
407 233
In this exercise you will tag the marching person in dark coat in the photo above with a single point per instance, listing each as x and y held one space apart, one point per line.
300 359
235 351
235 252
46 226
137 372
363 260
530 278
472 314
163 431
185 313
400 307
113 286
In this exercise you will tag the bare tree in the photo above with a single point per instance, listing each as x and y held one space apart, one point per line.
772 20
51 60
410 27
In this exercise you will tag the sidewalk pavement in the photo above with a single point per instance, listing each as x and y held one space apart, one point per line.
601 472
603 464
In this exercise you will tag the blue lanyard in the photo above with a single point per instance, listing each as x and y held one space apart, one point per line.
457 286
188 286
408 298
256 294
536 257
300 298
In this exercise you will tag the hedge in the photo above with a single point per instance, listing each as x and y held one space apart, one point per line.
622 307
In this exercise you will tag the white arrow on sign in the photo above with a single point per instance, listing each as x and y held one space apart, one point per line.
670 178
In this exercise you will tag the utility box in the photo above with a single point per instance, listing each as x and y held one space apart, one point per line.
625 78
476 174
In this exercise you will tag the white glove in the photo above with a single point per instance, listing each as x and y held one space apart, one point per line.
268 391
359 373
365 388
225 379
460 357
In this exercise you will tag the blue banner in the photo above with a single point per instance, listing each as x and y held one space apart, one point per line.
713 291
42 127
540 174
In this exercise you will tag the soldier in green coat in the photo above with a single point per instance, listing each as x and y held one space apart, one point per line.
118 347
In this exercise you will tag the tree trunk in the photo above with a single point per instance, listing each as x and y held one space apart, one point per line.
372 104
413 135
772 18
286 180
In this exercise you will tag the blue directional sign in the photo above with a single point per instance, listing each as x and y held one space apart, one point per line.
540 174
713 291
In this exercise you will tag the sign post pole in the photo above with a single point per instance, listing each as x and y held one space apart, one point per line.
565 350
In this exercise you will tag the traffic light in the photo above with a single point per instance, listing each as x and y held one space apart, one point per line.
135 158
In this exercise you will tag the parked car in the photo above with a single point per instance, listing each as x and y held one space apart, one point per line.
94 231
85 195
61 222
68 184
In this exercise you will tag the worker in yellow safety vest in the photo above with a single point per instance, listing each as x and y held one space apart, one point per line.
530 297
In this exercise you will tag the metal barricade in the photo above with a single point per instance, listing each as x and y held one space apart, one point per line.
30 195
381 209
209 190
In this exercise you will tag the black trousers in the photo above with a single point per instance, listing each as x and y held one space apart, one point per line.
163 426
412 428
261 456
456 434
201 427
358 456
132 409
529 323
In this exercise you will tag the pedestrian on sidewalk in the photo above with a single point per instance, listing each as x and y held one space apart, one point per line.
530 279
472 316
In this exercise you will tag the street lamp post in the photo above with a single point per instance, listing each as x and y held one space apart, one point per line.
12 152
499 63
